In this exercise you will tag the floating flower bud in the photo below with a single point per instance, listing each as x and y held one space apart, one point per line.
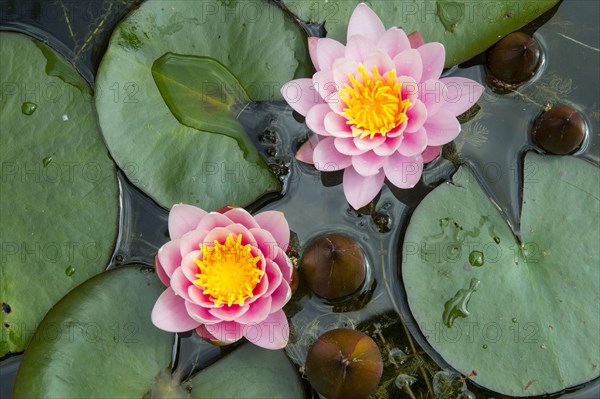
560 130
515 58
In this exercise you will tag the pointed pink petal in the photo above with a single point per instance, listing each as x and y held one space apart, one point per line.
213 220
432 93
368 143
276 224
301 95
203 333
284 263
260 288
247 237
416 40
397 131
367 164
189 268
414 143
381 60
360 190
162 275
329 50
305 152
433 56
327 158
325 84
170 314
271 333
341 68
241 216
198 297
275 276
359 47
169 256
431 153
258 311
226 331
183 218
403 172
390 146
281 296
336 125
229 313
442 128
347 146
393 42
200 313
312 51
180 284
365 22
191 241
218 234
408 63
462 94
410 88
417 115
265 242
315 119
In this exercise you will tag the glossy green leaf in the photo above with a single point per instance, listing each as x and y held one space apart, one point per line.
59 202
524 316
201 94
466 28
254 40
249 372
98 341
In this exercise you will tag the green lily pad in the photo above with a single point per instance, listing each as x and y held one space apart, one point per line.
466 28
98 341
249 372
172 162
59 202
523 316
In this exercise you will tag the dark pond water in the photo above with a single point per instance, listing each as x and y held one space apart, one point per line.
494 143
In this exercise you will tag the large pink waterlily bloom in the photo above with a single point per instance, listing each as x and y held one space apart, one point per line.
378 105
227 275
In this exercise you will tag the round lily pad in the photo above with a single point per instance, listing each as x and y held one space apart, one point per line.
521 312
450 22
98 341
59 202
167 92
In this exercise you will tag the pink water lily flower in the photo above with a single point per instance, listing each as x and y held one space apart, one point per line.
378 105
227 275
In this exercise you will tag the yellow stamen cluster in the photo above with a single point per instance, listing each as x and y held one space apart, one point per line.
228 271
375 105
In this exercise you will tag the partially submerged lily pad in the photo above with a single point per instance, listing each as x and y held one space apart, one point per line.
59 202
534 301
166 149
98 341
450 22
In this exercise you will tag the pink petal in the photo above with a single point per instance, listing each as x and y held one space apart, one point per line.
226 331
169 256
365 22
417 115
337 125
416 40
433 56
170 314
238 229
285 264
410 88
229 313
312 50
462 94
203 332
325 84
369 143
259 310
432 93
381 60
347 146
275 276
408 63
280 296
393 42
327 158
189 268
367 164
180 284
442 128
301 95
191 241
276 224
359 47
403 172
328 51
213 220
199 298
265 242
305 152
341 69
271 333
315 119
360 190
431 153
241 216
200 313
162 275
183 218
390 146
414 143
397 131
218 234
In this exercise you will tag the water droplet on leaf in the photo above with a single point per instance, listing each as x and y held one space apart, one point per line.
476 258
457 305
70 270
28 108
